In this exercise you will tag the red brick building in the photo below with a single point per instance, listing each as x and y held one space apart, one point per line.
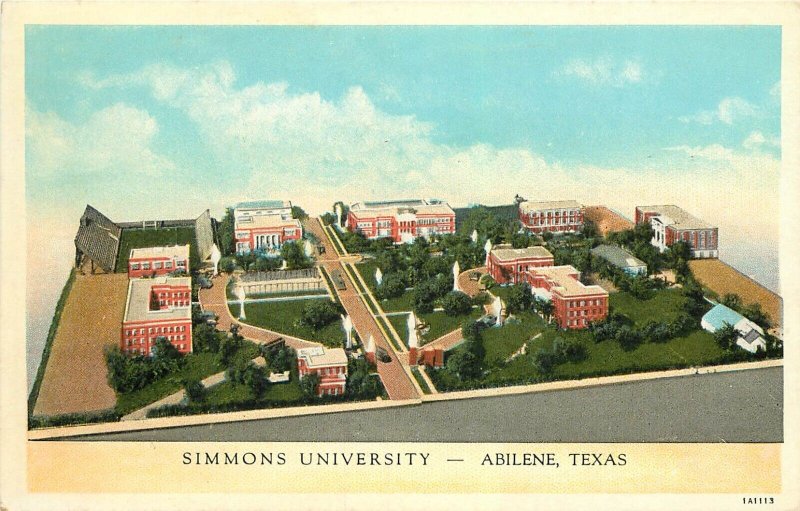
672 224
403 220
506 264
157 307
551 216
264 225
575 304
144 262
329 363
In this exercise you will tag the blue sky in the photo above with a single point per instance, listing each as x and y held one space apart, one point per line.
167 121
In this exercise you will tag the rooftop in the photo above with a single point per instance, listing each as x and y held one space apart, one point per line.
318 356
138 307
563 277
98 237
547 205
617 256
676 216
420 206
506 253
266 221
177 251
264 204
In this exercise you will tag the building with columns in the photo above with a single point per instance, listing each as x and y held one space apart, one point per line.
329 363
145 262
264 225
402 220
157 307
508 265
551 216
672 224
575 305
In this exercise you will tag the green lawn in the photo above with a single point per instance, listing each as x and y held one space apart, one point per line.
501 342
422 383
400 323
665 305
501 291
198 366
442 324
284 317
228 392
402 303
138 238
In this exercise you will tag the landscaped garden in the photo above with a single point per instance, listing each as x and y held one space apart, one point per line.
285 317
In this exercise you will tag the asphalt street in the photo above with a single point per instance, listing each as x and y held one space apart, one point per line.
741 406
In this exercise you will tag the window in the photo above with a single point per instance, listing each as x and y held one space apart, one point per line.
168 265
134 266
157 265
146 266
181 264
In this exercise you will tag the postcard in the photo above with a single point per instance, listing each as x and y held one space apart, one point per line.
304 255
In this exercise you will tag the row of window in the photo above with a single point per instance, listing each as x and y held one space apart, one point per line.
157 330
143 340
584 312
175 294
332 392
560 212
157 265
176 303
555 221
577 322
142 351
584 303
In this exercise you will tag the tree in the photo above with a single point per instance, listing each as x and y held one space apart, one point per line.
298 213
726 336
228 347
424 296
640 287
754 313
282 359
195 391
308 384
732 300
225 232
360 382
656 332
319 313
294 256
456 303
696 304
393 285
519 298
545 308
256 379
227 264
628 338
464 364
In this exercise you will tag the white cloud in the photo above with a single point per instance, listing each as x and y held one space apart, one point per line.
315 150
728 111
604 71
116 138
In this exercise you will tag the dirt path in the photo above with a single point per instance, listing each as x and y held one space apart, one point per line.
75 379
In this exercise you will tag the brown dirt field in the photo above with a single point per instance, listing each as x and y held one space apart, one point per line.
606 220
75 376
722 278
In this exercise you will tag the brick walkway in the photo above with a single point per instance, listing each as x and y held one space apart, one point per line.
214 300
446 342
393 375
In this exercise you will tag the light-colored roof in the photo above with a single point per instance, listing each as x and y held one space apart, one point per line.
264 204
176 251
547 205
506 253
138 306
319 356
617 256
719 315
391 208
565 283
266 221
676 216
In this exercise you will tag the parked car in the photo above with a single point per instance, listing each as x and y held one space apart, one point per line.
382 355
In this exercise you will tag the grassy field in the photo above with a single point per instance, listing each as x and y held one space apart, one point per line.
198 366
442 324
138 238
284 317
228 392
698 348
665 305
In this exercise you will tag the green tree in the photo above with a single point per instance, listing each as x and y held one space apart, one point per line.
308 385
545 308
732 300
519 298
628 338
320 313
726 336
456 303
464 364
225 233
195 391
298 213
294 256
393 285
545 361
256 379
754 313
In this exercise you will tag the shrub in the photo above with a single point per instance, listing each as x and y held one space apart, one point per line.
456 303
628 338
519 298
393 285
319 313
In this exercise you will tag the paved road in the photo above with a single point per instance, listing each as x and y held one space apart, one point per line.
396 381
743 406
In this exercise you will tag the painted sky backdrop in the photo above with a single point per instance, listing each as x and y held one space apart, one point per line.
146 122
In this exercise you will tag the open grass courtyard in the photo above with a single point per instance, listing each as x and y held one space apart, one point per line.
284 317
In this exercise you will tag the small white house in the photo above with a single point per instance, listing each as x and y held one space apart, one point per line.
751 336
